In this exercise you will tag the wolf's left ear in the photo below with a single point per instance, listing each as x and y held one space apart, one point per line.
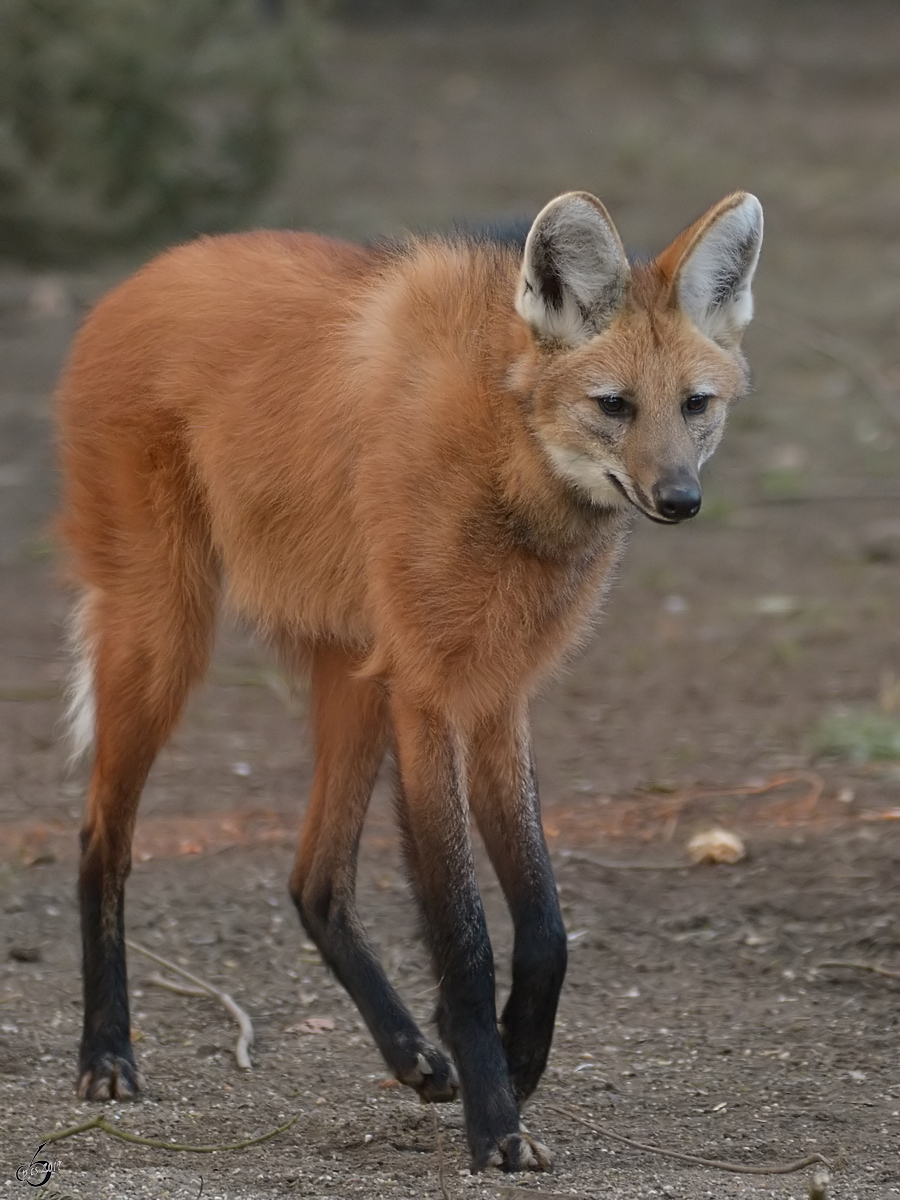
574 271
711 267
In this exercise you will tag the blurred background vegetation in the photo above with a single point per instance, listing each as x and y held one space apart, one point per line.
129 124
139 121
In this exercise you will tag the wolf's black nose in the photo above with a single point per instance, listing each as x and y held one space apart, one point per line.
677 498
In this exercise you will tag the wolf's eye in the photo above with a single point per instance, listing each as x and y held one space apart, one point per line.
613 406
697 404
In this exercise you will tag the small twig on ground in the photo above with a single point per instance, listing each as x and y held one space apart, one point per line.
609 865
859 966
814 782
171 985
438 1141
245 1037
105 1127
714 1164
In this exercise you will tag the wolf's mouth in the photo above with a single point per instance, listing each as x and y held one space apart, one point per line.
639 503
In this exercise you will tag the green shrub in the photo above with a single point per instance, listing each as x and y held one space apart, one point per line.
860 735
125 121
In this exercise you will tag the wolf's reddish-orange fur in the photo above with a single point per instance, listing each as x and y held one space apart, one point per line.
309 411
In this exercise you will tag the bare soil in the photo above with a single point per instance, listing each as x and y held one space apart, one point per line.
696 1013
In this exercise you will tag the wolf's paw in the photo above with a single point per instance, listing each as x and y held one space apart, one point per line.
518 1152
433 1077
109 1077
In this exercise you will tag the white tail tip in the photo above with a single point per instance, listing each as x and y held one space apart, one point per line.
80 713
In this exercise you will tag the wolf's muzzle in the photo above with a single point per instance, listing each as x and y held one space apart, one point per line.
678 497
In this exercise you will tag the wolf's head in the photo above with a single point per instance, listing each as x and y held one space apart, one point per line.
632 367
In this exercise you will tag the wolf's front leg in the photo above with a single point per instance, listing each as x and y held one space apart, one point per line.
504 799
433 808
351 730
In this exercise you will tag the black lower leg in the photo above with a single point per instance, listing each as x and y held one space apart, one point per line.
334 926
467 1021
107 1068
505 800
539 967
456 929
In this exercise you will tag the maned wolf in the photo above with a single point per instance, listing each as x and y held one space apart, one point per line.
414 467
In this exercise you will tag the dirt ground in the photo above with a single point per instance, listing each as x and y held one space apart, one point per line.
696 1013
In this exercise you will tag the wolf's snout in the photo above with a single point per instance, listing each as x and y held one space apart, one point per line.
677 497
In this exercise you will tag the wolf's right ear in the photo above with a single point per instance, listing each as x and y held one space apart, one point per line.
574 271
